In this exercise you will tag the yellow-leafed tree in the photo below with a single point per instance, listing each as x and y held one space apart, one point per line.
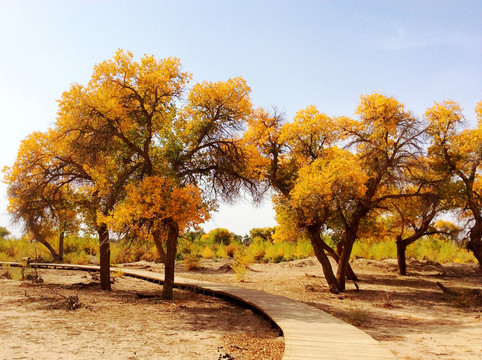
456 153
130 130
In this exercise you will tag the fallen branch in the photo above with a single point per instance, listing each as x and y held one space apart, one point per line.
447 290
148 296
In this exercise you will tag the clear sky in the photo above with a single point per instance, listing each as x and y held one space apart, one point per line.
291 53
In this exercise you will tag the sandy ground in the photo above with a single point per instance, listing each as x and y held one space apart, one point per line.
67 316
409 315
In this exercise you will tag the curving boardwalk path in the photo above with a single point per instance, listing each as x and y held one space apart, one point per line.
309 333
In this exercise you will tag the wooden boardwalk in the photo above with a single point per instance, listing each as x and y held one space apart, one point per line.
308 333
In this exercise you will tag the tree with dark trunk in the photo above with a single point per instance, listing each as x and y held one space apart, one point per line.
319 250
413 219
170 262
292 158
104 256
36 200
457 154
321 185
130 130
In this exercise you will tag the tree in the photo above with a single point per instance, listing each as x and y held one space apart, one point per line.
279 153
409 218
458 154
333 172
386 139
413 218
128 126
264 233
219 236
110 128
157 208
4 232
42 206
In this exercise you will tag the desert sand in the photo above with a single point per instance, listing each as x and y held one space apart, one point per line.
37 322
411 316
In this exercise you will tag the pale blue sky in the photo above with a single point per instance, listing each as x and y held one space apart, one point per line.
291 53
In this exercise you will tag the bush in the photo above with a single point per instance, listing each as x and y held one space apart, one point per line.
231 249
257 249
440 250
266 234
191 262
221 252
304 249
79 258
218 236
276 252
86 243
207 253
431 248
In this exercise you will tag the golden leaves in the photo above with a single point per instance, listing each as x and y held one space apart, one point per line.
220 107
478 113
128 123
329 181
309 134
460 150
443 119
155 200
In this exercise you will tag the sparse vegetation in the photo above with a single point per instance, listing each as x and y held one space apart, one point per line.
196 246
432 248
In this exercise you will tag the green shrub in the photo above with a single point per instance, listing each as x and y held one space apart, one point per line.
275 253
303 249
79 258
218 236
257 249
440 250
266 234
221 252
431 248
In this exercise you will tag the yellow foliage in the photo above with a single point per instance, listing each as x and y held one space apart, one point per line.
155 200
327 182
309 134
207 253
383 121
457 153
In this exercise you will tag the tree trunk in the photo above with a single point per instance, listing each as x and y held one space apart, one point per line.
350 275
156 235
104 257
37 235
316 241
49 247
61 245
170 259
475 242
401 258
348 239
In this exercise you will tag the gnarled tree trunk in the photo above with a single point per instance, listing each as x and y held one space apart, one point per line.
350 274
475 241
170 258
156 235
104 257
49 247
401 257
348 239
61 245
37 235
315 237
